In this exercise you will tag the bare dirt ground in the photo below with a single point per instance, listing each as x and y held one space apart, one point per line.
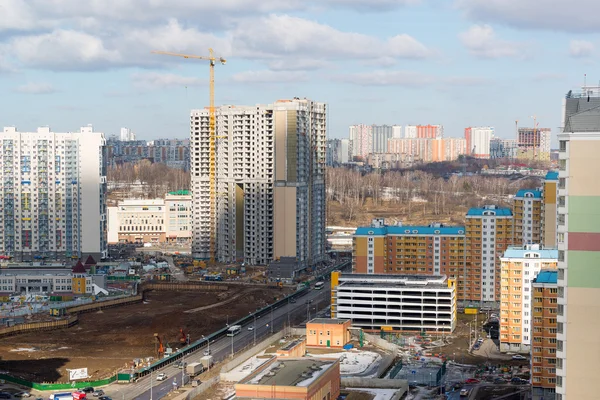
108 340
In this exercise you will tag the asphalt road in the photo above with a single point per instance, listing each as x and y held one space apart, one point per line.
221 349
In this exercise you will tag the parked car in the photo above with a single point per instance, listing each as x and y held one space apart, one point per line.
519 357
464 392
88 389
22 394
161 377
472 380
98 393
104 398
5 395
499 381
519 381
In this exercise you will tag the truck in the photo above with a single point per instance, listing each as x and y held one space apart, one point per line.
194 369
207 361
61 396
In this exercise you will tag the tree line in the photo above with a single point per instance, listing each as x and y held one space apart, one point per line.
155 178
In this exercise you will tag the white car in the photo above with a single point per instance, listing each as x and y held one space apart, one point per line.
519 357
250 328
161 377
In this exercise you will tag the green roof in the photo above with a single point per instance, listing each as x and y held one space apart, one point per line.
180 193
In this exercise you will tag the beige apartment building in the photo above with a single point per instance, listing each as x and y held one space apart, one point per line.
519 267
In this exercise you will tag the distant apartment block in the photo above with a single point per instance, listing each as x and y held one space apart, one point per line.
427 150
534 143
399 303
53 194
519 267
152 221
578 311
381 135
127 135
270 181
361 138
338 152
175 153
550 210
543 335
489 231
478 141
503 148
386 161
527 214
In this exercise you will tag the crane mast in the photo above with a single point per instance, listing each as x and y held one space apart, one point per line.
211 139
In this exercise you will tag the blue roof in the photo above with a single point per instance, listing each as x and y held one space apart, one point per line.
520 251
501 212
537 194
547 276
410 230
552 176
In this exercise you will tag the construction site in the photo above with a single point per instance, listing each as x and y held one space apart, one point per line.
131 335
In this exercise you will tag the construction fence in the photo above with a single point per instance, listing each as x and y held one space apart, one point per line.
100 305
39 326
56 386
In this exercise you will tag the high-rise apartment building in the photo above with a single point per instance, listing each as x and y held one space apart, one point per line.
270 182
578 234
427 150
527 214
543 335
534 143
478 141
503 148
410 132
519 267
53 193
489 232
381 135
430 131
549 209
337 152
127 135
361 138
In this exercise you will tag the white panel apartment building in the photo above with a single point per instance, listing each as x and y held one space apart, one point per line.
361 138
519 267
270 186
406 303
53 189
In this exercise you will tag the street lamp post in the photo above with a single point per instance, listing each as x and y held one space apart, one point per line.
232 346
271 319
254 330
183 370
150 384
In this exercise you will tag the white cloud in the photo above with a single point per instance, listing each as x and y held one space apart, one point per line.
164 80
481 41
577 16
266 76
372 5
293 64
581 48
62 49
36 88
280 35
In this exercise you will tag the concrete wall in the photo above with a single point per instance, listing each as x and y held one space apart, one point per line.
254 350
400 384
197 391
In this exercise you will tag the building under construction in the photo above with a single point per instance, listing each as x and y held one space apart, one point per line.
269 182
534 144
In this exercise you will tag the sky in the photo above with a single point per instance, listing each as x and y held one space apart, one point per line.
459 63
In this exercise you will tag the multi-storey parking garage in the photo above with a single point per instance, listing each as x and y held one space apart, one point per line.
404 303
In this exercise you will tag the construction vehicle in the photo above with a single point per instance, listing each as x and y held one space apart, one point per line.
161 349
182 337
212 138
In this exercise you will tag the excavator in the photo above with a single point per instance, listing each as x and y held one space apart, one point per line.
182 337
161 348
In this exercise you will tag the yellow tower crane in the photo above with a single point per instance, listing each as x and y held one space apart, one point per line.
212 136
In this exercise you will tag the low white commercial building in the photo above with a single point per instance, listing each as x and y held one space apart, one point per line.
165 220
401 303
